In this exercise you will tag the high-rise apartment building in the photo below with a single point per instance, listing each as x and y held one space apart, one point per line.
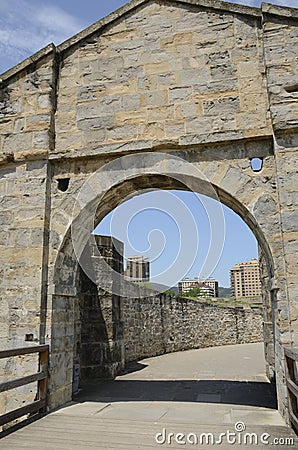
245 279
208 285
213 284
137 269
206 291
187 283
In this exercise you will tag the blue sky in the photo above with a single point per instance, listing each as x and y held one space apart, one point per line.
173 229
28 25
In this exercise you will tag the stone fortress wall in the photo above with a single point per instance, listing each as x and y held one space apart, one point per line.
164 324
113 330
214 83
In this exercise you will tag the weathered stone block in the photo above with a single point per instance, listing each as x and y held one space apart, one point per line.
18 142
122 133
179 94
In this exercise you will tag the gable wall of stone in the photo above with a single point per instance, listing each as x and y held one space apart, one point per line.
164 73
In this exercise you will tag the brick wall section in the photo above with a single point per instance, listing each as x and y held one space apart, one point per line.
163 324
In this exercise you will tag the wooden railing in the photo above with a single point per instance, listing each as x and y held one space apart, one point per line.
291 356
40 404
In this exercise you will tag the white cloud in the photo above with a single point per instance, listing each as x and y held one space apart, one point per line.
55 19
26 27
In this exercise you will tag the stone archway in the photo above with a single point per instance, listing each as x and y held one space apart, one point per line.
217 87
129 181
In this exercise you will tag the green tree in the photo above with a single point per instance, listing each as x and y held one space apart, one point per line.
194 292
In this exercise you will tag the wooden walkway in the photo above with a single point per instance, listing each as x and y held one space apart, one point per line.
193 392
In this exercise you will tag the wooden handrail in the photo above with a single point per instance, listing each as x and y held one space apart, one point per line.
33 407
291 352
23 351
40 403
291 357
22 381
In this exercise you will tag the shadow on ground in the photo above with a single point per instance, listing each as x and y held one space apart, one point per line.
133 366
203 391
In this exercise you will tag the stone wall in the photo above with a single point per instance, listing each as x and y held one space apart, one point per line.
280 43
211 82
100 330
166 72
163 324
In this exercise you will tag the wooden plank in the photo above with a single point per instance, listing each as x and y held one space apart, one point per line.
22 381
42 388
291 352
293 387
23 351
293 419
290 368
31 408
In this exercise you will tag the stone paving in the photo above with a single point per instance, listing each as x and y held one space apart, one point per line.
197 391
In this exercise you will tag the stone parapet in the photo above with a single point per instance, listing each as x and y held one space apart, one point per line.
163 324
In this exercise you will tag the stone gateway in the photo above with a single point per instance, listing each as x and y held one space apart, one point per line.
211 83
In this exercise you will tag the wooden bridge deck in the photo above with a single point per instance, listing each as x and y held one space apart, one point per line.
198 391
